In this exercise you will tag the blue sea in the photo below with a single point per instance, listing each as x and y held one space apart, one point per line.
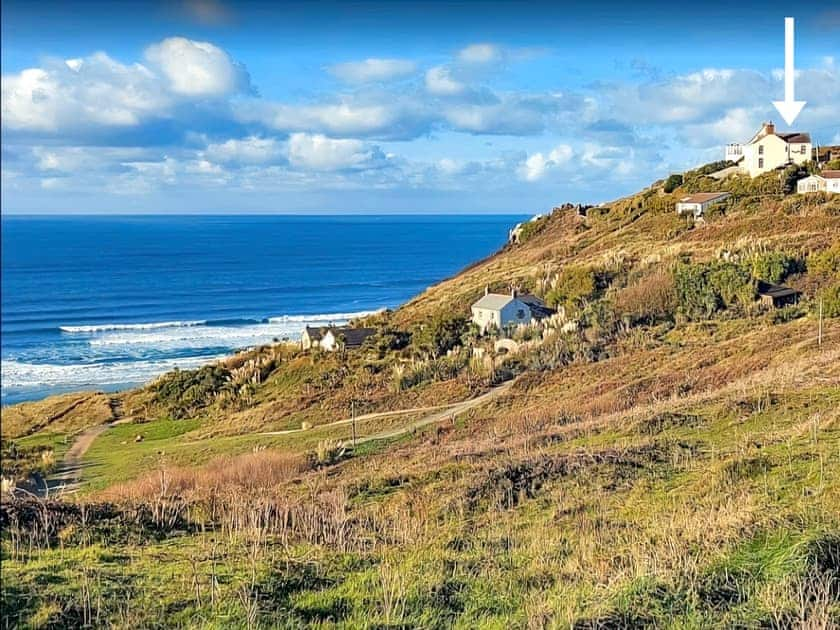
110 302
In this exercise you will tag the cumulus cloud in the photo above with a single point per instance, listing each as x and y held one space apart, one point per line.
537 165
250 150
479 53
320 153
98 92
197 69
371 70
439 81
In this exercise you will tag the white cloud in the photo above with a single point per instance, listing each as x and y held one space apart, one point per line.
439 81
250 150
320 153
372 69
479 53
99 92
537 165
196 69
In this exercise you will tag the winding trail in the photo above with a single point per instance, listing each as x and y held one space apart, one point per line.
68 474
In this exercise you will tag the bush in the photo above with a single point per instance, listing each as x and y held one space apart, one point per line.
826 262
774 266
183 392
440 335
649 299
703 289
574 287
830 298
673 182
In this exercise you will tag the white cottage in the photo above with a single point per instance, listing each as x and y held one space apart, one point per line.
698 203
827 181
500 310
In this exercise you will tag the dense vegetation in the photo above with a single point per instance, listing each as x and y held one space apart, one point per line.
664 452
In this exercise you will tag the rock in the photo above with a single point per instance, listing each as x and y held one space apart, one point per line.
138 438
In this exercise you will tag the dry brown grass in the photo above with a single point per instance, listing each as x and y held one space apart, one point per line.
63 413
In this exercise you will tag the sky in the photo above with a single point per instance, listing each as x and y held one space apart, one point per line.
212 106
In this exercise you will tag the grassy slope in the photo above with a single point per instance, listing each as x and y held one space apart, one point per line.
691 479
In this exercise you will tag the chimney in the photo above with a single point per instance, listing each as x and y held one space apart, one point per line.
513 292
486 289
769 128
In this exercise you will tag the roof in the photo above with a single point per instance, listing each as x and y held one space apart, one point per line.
775 290
353 337
315 334
537 306
795 136
830 174
704 197
494 301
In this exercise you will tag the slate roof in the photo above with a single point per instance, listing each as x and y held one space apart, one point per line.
704 197
315 334
795 137
538 308
353 337
830 174
775 290
494 301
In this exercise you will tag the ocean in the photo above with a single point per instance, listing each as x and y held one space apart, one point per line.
105 303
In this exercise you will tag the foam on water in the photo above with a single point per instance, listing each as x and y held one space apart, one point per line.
147 326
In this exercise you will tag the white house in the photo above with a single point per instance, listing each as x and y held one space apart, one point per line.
698 203
827 181
768 150
330 338
501 310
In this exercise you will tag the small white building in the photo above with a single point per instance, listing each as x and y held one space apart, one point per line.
768 150
500 310
827 181
331 338
698 203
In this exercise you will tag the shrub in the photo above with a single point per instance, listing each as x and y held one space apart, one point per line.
830 298
702 289
183 392
826 262
774 266
574 287
673 182
696 297
440 335
649 299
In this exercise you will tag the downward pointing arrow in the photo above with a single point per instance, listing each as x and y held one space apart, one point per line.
789 108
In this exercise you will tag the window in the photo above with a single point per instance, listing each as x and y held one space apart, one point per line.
760 162
802 150
761 149
520 314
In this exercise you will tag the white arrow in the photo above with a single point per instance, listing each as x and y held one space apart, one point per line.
789 108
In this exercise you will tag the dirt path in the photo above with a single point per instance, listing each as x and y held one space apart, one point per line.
68 474
439 416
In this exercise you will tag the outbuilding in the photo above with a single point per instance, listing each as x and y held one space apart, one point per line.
698 203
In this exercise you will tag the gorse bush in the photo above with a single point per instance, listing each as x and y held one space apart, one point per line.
440 335
774 266
826 262
704 288
672 183
830 298
182 392
574 287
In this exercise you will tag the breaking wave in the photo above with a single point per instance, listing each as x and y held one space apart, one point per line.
146 326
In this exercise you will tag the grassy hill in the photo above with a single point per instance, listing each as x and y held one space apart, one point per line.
673 461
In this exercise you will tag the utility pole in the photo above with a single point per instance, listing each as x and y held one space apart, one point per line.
353 417
819 334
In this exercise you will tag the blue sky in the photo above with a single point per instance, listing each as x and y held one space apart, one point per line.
212 106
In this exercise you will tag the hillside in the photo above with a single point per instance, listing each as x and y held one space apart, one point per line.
672 459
